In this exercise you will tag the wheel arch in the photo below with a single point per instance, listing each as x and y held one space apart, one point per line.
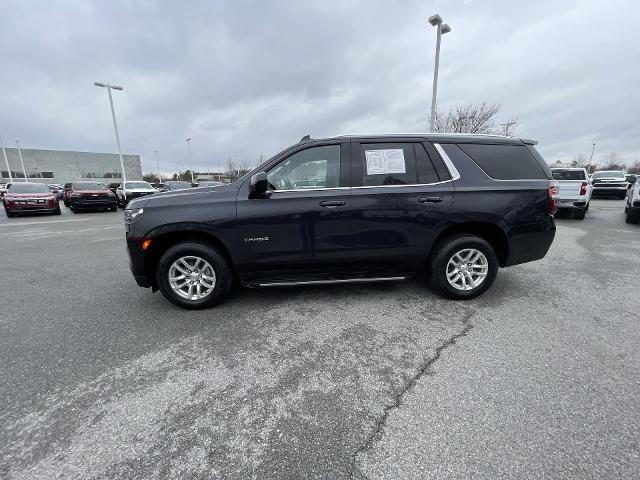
161 242
491 232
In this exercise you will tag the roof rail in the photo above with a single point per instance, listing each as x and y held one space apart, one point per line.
528 141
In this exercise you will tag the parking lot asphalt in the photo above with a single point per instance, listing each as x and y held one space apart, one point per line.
538 378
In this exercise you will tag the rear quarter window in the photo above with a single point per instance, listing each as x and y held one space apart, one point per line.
505 162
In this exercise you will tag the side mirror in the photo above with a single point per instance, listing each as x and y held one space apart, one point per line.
259 185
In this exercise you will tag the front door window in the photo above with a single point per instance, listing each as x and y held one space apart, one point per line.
316 167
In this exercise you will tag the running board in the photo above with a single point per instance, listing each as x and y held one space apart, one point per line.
328 281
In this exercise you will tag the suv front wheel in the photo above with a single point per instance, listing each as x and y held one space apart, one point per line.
194 275
463 266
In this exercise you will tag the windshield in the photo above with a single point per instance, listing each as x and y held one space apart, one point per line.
28 188
612 173
210 184
138 185
177 185
568 174
88 186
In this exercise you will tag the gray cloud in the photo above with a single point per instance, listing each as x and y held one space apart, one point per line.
247 78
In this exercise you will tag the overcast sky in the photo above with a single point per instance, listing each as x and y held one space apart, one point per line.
247 78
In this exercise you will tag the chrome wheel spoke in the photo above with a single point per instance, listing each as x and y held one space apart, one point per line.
467 269
192 278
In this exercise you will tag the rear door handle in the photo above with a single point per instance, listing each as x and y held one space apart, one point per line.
333 203
430 199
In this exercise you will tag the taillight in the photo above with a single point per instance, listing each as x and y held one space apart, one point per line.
552 197
583 188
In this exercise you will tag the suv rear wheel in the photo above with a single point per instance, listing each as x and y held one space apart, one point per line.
194 275
463 266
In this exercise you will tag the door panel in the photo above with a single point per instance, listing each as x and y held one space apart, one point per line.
304 227
394 225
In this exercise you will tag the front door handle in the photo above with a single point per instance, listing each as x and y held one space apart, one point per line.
333 203
430 199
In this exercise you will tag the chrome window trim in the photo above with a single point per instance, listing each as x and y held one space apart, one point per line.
453 171
364 186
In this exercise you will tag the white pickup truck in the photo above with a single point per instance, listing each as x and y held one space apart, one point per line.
574 190
130 190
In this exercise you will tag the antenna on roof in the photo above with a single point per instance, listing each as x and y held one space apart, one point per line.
306 138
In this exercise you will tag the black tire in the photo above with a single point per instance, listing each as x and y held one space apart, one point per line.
444 251
10 214
587 207
579 214
57 211
114 208
73 209
633 216
219 263
66 204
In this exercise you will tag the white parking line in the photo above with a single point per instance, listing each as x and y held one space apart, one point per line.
21 224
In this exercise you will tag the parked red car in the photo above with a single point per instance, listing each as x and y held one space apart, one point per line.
26 197
91 195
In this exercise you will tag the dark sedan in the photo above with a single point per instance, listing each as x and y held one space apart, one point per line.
26 197
91 196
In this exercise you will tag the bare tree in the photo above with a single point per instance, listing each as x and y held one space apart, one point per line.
238 166
472 118
613 162
634 168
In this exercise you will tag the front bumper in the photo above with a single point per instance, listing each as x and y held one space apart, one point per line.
33 209
606 191
87 203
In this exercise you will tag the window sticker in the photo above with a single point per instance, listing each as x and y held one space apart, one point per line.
382 162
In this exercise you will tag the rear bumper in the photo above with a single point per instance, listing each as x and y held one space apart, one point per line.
572 204
528 243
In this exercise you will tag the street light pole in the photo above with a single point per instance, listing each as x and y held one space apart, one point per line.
6 160
593 147
188 140
115 124
158 166
24 171
436 21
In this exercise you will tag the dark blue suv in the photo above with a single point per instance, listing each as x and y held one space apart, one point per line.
351 209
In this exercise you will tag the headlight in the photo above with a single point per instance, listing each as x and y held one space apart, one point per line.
75 195
131 215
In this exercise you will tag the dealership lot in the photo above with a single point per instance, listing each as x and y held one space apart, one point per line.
539 377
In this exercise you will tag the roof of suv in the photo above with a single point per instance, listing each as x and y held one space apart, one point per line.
447 137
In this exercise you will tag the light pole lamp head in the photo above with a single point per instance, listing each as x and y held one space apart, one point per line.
435 20
445 29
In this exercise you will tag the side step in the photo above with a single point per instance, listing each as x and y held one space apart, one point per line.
324 281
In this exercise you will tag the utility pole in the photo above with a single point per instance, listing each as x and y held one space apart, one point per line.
21 160
115 124
6 160
436 21
188 140
593 147
158 167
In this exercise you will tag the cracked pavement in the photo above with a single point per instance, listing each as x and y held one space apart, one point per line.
102 379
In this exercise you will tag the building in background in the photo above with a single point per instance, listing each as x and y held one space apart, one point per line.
54 166
224 177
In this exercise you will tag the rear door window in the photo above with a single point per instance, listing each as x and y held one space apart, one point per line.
388 164
505 162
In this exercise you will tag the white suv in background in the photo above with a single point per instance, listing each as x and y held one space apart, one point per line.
574 190
632 207
130 190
